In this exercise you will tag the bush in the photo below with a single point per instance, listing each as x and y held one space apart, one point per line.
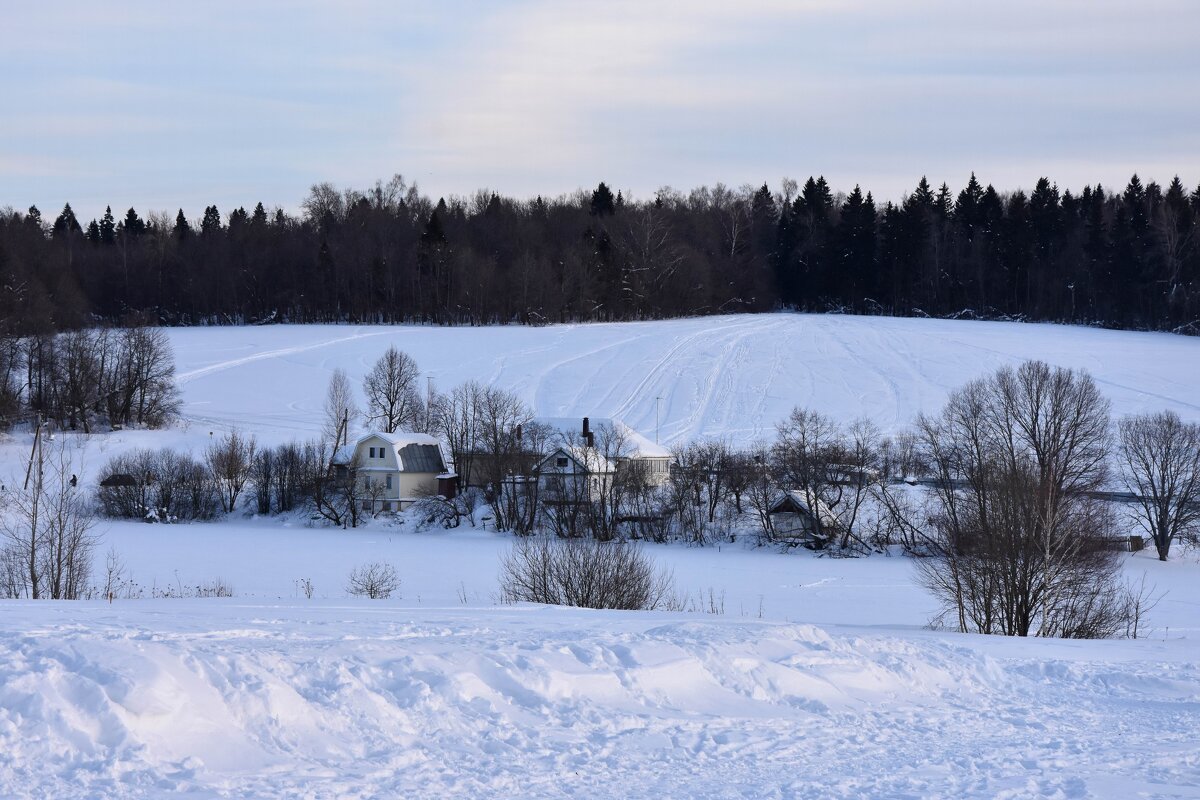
376 580
585 573
157 485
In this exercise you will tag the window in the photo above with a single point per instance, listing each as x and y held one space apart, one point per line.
387 505
372 452
366 505
389 481
561 462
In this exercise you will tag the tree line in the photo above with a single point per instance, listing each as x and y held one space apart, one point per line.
89 378
1125 258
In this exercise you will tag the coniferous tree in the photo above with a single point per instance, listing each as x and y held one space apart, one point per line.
108 227
603 203
33 221
210 224
66 225
133 224
183 229
855 249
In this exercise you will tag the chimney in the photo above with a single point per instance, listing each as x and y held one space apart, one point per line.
586 430
591 440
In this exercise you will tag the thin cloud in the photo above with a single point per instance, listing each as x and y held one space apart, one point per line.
199 105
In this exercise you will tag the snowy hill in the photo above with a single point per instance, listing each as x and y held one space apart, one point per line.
733 376
818 679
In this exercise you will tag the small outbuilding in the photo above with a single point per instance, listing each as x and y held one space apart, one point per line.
799 517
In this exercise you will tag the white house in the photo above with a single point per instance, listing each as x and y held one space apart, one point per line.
392 470
574 473
591 451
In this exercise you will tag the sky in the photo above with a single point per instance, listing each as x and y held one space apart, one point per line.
163 106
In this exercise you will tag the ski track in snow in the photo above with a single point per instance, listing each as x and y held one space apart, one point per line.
190 375
358 700
733 377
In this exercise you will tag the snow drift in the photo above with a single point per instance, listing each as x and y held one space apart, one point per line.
217 698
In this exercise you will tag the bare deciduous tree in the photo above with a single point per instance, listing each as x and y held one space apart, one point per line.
48 531
393 402
145 391
835 466
507 438
455 418
341 410
331 490
1018 546
230 461
1160 460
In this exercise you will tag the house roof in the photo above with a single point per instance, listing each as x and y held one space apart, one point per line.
804 501
637 445
400 438
421 458
588 458
415 452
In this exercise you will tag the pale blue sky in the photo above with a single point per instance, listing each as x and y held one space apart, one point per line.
162 105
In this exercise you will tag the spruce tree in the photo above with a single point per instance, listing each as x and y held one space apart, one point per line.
603 204
183 229
108 227
66 224
134 226
210 224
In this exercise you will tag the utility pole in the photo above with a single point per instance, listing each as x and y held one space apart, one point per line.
33 451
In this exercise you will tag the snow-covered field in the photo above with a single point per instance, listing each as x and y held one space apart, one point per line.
733 376
819 678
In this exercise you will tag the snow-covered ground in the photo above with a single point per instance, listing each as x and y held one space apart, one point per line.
819 678
733 376
207 698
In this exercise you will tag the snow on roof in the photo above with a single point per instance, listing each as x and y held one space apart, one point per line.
400 438
637 445
588 458
806 501
415 452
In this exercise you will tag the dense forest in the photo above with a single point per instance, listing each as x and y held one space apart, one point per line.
390 254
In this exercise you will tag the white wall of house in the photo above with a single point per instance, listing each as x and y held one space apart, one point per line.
562 477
